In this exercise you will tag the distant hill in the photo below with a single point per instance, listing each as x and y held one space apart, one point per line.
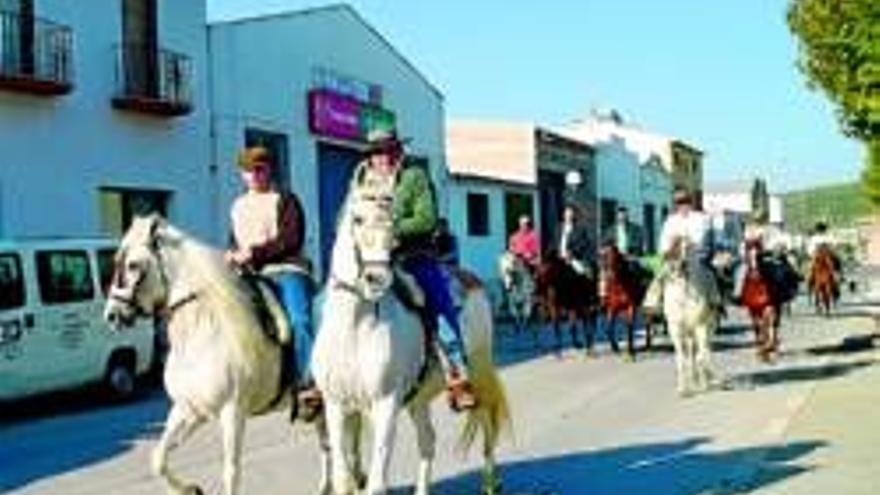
839 205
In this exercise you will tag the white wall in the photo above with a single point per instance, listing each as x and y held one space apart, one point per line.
262 70
740 202
619 176
57 151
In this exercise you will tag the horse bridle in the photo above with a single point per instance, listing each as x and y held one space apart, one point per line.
166 310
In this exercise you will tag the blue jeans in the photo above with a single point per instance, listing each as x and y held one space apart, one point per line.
434 281
295 292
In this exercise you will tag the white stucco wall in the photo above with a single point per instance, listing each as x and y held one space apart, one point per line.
619 175
58 151
718 202
262 70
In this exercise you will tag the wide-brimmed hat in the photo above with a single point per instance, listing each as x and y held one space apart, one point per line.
251 157
681 196
384 141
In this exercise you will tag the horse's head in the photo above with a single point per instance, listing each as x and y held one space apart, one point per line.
137 287
372 232
753 250
511 268
609 257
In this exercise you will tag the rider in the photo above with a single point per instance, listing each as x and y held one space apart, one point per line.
822 238
686 224
624 235
753 236
268 230
575 246
525 243
415 218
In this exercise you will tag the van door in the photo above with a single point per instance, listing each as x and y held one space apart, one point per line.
67 317
15 324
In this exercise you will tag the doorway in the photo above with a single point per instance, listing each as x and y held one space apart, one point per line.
336 165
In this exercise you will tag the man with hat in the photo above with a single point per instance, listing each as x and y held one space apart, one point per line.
686 225
415 221
268 230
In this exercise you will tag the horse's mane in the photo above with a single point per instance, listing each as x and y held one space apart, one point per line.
225 296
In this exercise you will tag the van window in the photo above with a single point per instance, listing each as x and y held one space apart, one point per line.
106 268
64 276
11 281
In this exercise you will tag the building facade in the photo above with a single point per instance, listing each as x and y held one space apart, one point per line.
317 82
503 170
103 115
683 161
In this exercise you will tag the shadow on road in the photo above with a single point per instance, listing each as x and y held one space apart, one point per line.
680 468
801 373
849 345
42 447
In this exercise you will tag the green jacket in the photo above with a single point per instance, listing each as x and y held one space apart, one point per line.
415 214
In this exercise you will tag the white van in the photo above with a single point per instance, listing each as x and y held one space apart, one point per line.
52 334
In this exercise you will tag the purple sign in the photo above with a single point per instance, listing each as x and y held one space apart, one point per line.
333 114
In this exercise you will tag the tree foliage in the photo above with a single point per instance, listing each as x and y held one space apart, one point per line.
839 52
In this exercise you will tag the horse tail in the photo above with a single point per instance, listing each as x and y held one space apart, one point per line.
492 416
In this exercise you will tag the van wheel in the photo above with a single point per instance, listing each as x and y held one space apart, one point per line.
120 377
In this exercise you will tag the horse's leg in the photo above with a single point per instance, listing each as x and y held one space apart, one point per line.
648 332
353 425
426 438
179 426
589 330
703 356
676 333
232 427
383 417
343 483
573 327
610 332
557 333
324 485
630 321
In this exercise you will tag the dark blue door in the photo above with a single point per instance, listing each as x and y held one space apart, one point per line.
336 165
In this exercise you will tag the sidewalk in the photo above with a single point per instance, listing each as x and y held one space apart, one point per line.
844 414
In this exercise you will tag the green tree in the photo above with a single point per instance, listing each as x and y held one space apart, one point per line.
839 53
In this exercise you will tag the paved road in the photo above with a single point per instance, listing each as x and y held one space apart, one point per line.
598 425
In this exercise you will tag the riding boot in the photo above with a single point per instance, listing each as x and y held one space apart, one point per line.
460 392
310 403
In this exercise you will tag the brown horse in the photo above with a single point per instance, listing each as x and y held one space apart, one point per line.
761 301
562 293
624 286
823 279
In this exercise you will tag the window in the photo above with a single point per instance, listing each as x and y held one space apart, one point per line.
119 206
276 143
106 268
608 207
11 282
515 206
140 40
64 277
478 214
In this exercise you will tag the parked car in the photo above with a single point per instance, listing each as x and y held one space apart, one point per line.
52 334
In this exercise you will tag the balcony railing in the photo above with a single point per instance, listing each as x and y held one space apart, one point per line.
150 80
36 56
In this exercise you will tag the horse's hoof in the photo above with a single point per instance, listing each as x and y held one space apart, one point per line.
193 490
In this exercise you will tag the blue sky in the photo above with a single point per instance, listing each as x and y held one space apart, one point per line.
720 74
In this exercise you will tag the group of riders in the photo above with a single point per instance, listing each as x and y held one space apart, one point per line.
268 232
687 225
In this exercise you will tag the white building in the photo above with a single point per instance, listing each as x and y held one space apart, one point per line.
310 84
682 161
730 206
628 178
103 113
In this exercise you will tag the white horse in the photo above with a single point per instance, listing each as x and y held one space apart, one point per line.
220 365
519 288
690 318
371 358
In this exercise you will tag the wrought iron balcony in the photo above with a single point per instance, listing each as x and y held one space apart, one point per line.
153 81
36 56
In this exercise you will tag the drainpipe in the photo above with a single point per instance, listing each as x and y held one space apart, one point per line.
213 166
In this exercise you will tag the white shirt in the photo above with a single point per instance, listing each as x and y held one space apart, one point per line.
816 241
693 226
567 228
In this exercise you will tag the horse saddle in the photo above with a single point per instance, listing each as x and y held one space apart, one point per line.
271 313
